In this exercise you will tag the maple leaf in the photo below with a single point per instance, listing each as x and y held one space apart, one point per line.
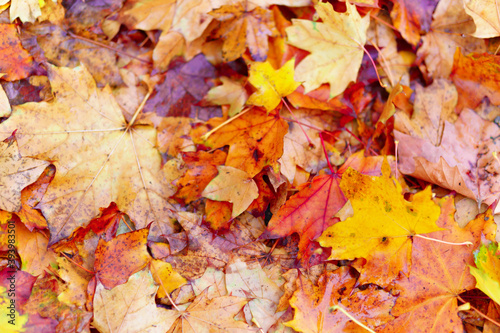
96 154
487 274
336 47
456 164
203 248
245 280
166 277
16 173
412 18
31 196
232 185
485 16
211 315
201 169
183 86
386 244
308 213
428 118
242 26
26 10
15 62
255 140
450 23
272 84
32 248
439 274
18 321
313 304
131 306
476 76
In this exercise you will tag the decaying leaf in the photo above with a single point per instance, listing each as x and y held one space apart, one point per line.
487 272
485 15
16 172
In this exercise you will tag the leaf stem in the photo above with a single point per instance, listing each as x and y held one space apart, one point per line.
326 154
75 263
442 241
108 47
338 307
213 130
300 125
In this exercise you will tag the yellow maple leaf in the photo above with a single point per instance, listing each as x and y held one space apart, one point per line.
336 47
272 84
380 230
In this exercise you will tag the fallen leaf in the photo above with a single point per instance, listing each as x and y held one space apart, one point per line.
201 169
476 76
272 85
439 274
26 10
121 257
433 106
456 164
74 291
218 213
204 248
131 306
172 135
485 16
232 185
487 274
336 47
308 213
123 167
386 245
30 197
16 172
450 23
313 304
250 280
33 249
165 277
183 86
231 92
255 140
412 18
211 315
242 26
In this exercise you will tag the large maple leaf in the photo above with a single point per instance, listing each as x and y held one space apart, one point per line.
308 213
336 47
463 161
440 273
382 226
99 157
255 139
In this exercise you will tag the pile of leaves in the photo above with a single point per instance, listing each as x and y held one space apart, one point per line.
249 166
